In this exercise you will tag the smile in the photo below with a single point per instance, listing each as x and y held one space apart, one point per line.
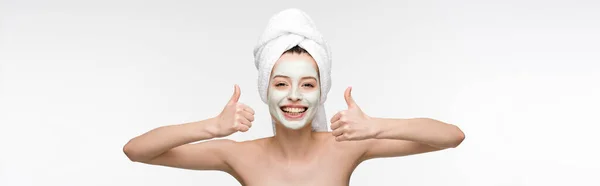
294 109
294 112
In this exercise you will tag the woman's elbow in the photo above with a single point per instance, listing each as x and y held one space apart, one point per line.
457 138
131 153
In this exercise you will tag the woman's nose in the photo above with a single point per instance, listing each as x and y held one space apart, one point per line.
295 95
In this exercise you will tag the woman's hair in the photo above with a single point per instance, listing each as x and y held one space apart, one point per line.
297 50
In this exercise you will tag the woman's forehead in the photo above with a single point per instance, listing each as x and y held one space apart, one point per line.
295 60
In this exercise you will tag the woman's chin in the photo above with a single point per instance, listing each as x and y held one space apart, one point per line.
295 125
295 122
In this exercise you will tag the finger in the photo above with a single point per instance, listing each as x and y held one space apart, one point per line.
244 121
236 94
248 109
337 132
336 125
249 116
336 117
243 128
341 138
349 99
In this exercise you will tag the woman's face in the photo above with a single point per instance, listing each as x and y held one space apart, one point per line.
294 91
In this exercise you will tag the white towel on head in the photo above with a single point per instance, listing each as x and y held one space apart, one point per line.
285 30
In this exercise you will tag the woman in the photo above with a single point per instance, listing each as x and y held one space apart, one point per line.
301 152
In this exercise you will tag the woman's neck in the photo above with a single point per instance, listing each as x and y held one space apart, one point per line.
293 144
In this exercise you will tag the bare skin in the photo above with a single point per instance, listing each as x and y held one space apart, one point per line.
291 157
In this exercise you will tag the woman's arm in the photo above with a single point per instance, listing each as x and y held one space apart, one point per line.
392 137
423 130
170 145
155 142
402 137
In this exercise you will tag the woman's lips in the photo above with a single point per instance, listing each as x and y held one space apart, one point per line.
294 116
293 113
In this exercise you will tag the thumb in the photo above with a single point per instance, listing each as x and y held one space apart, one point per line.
349 99
236 95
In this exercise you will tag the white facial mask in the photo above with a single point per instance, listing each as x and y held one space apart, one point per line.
294 93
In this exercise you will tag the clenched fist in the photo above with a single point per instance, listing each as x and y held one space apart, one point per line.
234 117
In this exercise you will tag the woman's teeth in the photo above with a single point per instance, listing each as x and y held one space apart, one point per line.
293 110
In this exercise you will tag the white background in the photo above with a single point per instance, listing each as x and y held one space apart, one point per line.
78 79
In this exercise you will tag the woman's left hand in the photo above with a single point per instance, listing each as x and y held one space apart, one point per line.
352 124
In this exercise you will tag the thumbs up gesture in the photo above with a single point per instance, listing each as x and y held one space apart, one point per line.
351 124
234 117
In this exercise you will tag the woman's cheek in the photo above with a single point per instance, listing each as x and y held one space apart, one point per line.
312 97
276 96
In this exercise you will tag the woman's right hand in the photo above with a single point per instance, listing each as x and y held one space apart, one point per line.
234 117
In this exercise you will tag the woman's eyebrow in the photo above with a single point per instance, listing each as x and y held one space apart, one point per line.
305 77
309 77
280 76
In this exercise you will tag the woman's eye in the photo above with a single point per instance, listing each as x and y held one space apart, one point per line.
309 85
280 84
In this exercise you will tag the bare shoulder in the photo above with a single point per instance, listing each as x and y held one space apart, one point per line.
345 147
247 149
254 144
